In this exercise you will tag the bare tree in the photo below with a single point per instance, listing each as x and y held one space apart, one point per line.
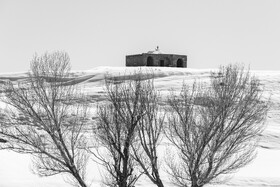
150 131
215 128
117 130
44 120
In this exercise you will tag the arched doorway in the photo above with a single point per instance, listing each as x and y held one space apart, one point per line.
150 61
180 63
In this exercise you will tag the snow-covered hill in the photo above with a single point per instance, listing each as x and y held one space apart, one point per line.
263 171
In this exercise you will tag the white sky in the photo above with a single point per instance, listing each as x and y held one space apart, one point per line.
102 32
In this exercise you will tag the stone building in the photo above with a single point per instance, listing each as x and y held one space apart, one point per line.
156 58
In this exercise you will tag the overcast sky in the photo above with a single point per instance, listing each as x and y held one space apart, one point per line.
101 32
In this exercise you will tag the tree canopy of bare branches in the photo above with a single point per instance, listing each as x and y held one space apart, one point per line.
150 132
43 119
215 128
130 128
117 128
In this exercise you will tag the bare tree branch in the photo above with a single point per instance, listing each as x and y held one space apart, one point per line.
215 129
117 130
41 122
150 131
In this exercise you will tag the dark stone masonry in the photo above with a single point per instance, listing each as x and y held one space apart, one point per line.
156 58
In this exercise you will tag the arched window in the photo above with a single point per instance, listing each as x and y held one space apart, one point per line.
180 63
150 61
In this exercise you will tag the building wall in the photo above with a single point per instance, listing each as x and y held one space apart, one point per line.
135 60
165 60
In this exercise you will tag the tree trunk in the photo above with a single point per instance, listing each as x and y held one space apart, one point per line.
159 183
196 185
81 182
78 178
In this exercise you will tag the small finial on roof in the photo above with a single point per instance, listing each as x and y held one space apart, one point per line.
156 51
